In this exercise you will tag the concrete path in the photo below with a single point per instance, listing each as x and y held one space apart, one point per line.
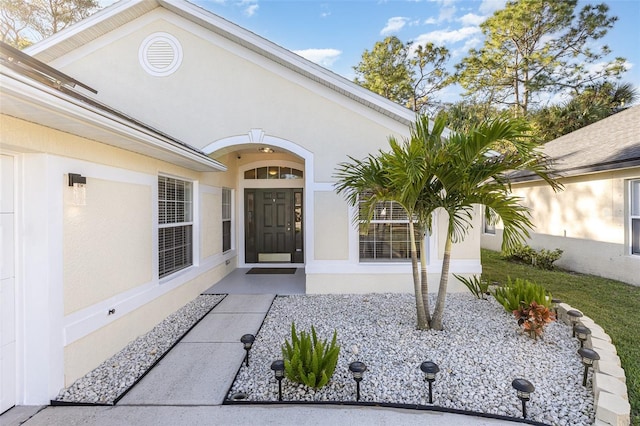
200 369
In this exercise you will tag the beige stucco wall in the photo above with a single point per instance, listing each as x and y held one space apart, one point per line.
376 283
107 242
87 353
588 221
203 101
332 227
210 219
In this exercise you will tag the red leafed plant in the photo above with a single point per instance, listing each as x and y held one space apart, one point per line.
533 318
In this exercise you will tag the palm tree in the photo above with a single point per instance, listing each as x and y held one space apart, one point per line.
474 168
434 169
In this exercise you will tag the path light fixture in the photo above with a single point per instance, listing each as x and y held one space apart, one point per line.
581 333
357 368
573 317
588 356
554 305
247 340
430 369
524 389
278 369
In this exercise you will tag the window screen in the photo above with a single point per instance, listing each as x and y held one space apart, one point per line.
175 233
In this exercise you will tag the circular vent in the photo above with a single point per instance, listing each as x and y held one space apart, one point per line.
160 54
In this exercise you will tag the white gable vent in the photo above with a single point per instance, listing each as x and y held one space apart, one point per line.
160 54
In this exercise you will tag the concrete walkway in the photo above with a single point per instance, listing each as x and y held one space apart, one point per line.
190 383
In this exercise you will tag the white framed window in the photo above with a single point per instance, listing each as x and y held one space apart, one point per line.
634 216
226 219
387 237
175 225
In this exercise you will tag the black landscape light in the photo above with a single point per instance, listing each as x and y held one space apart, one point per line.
524 389
573 317
357 368
554 303
581 333
278 368
430 369
247 340
588 356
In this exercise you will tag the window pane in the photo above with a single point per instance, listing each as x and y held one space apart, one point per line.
635 236
274 172
250 174
262 173
175 206
226 235
635 198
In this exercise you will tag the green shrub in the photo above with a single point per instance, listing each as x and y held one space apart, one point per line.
308 360
477 286
514 293
542 259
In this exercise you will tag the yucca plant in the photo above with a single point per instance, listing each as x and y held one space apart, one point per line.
308 360
511 295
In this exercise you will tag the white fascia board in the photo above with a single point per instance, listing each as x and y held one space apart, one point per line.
55 102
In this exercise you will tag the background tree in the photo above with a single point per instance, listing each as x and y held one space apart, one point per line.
596 102
406 74
23 22
537 46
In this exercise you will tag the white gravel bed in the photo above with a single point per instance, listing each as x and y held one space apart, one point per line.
480 352
113 377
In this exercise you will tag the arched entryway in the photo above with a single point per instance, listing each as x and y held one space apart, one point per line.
273 203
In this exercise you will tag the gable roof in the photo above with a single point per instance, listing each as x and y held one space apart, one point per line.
609 144
126 11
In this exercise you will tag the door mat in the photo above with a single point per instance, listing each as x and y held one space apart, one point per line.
271 271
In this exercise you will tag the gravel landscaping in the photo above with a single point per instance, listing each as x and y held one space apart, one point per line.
106 383
480 352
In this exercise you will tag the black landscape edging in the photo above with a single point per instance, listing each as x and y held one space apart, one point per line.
416 407
55 402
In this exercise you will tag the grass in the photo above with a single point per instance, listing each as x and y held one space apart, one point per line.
614 305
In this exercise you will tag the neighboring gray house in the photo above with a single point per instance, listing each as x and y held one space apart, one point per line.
596 219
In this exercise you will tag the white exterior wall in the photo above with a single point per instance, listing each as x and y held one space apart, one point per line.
589 221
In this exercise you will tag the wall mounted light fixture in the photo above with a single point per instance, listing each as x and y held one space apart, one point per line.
78 182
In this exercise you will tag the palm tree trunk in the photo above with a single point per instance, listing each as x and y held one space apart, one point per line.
424 282
436 321
420 313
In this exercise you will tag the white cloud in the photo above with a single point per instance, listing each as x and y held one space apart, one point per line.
447 14
251 10
487 7
430 21
471 19
324 57
446 36
394 25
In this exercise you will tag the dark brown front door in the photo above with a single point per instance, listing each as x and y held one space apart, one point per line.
273 226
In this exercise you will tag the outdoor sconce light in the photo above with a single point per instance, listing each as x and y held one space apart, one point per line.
554 304
524 389
247 340
588 356
357 368
581 333
78 183
278 368
573 317
430 369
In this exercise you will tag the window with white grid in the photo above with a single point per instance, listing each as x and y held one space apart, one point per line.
226 219
387 237
175 225
634 216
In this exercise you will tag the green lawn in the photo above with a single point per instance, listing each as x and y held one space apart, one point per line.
614 305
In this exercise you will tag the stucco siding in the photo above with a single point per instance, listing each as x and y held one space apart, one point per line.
375 283
332 227
107 242
210 220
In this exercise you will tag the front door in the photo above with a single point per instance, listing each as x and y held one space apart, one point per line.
273 226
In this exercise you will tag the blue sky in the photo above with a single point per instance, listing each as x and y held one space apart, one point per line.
334 33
